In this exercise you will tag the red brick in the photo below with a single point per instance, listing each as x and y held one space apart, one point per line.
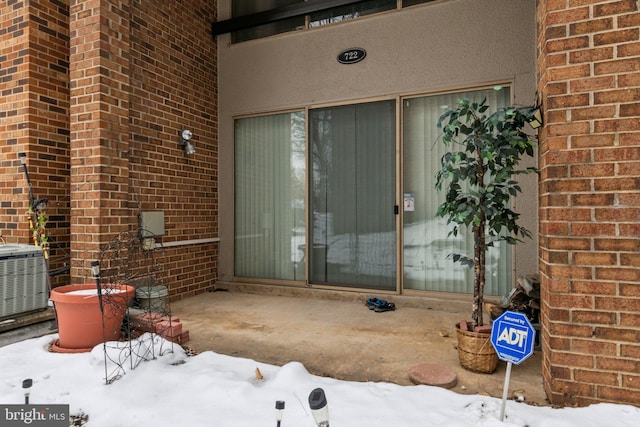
630 110
592 170
617 304
554 257
567 16
617 125
617 334
570 243
560 372
626 80
630 350
559 45
557 88
596 377
617 154
571 301
592 200
631 381
615 8
618 395
619 184
554 228
623 274
591 26
613 37
630 290
630 319
593 317
590 141
628 50
580 71
614 67
168 329
617 244
571 360
564 101
575 214
590 346
616 364
594 258
630 20
630 230
593 229
593 288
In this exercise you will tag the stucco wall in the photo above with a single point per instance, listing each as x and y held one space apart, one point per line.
437 46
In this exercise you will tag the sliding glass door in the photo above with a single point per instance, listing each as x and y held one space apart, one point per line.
315 199
352 195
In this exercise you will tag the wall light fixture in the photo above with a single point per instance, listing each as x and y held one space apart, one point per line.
185 142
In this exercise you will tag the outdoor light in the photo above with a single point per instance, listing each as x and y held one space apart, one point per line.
185 142
279 411
95 270
535 118
26 385
319 408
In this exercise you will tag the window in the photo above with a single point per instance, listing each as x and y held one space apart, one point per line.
246 7
291 15
352 11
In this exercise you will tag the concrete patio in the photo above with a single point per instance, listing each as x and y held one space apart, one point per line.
334 334
331 333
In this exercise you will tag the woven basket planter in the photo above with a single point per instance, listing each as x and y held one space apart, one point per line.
476 352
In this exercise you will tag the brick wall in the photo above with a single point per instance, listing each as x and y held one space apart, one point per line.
589 81
174 87
140 73
34 119
95 92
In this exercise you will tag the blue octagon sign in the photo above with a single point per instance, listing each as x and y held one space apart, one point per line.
513 337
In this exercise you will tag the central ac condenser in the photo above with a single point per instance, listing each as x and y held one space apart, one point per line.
23 280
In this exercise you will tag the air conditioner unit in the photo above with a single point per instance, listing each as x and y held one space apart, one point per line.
23 280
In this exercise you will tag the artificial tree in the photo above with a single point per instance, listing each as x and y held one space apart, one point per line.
478 178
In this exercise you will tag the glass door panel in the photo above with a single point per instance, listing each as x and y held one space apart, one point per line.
270 196
352 195
426 243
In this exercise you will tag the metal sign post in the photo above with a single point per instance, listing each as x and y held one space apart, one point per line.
513 336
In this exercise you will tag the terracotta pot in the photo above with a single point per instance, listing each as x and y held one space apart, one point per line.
80 323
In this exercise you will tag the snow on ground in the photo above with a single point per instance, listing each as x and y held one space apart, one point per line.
170 388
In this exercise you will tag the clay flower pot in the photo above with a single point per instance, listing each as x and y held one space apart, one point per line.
80 322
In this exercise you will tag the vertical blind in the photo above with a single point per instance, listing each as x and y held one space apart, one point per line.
270 196
427 244
353 194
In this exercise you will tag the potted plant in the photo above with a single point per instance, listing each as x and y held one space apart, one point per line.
478 177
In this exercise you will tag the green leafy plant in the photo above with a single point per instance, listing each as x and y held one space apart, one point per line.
477 176
38 219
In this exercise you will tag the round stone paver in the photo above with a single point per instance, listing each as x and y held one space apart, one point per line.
432 374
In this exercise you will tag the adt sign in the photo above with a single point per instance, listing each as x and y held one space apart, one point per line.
513 337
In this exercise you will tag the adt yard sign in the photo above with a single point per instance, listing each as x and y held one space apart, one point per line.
513 337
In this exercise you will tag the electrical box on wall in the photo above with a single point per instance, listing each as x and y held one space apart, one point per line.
151 224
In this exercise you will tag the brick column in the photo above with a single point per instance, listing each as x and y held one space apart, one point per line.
34 119
589 82
99 74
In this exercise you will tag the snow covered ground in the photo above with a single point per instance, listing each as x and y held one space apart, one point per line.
170 388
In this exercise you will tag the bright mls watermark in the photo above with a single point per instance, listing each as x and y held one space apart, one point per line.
34 415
